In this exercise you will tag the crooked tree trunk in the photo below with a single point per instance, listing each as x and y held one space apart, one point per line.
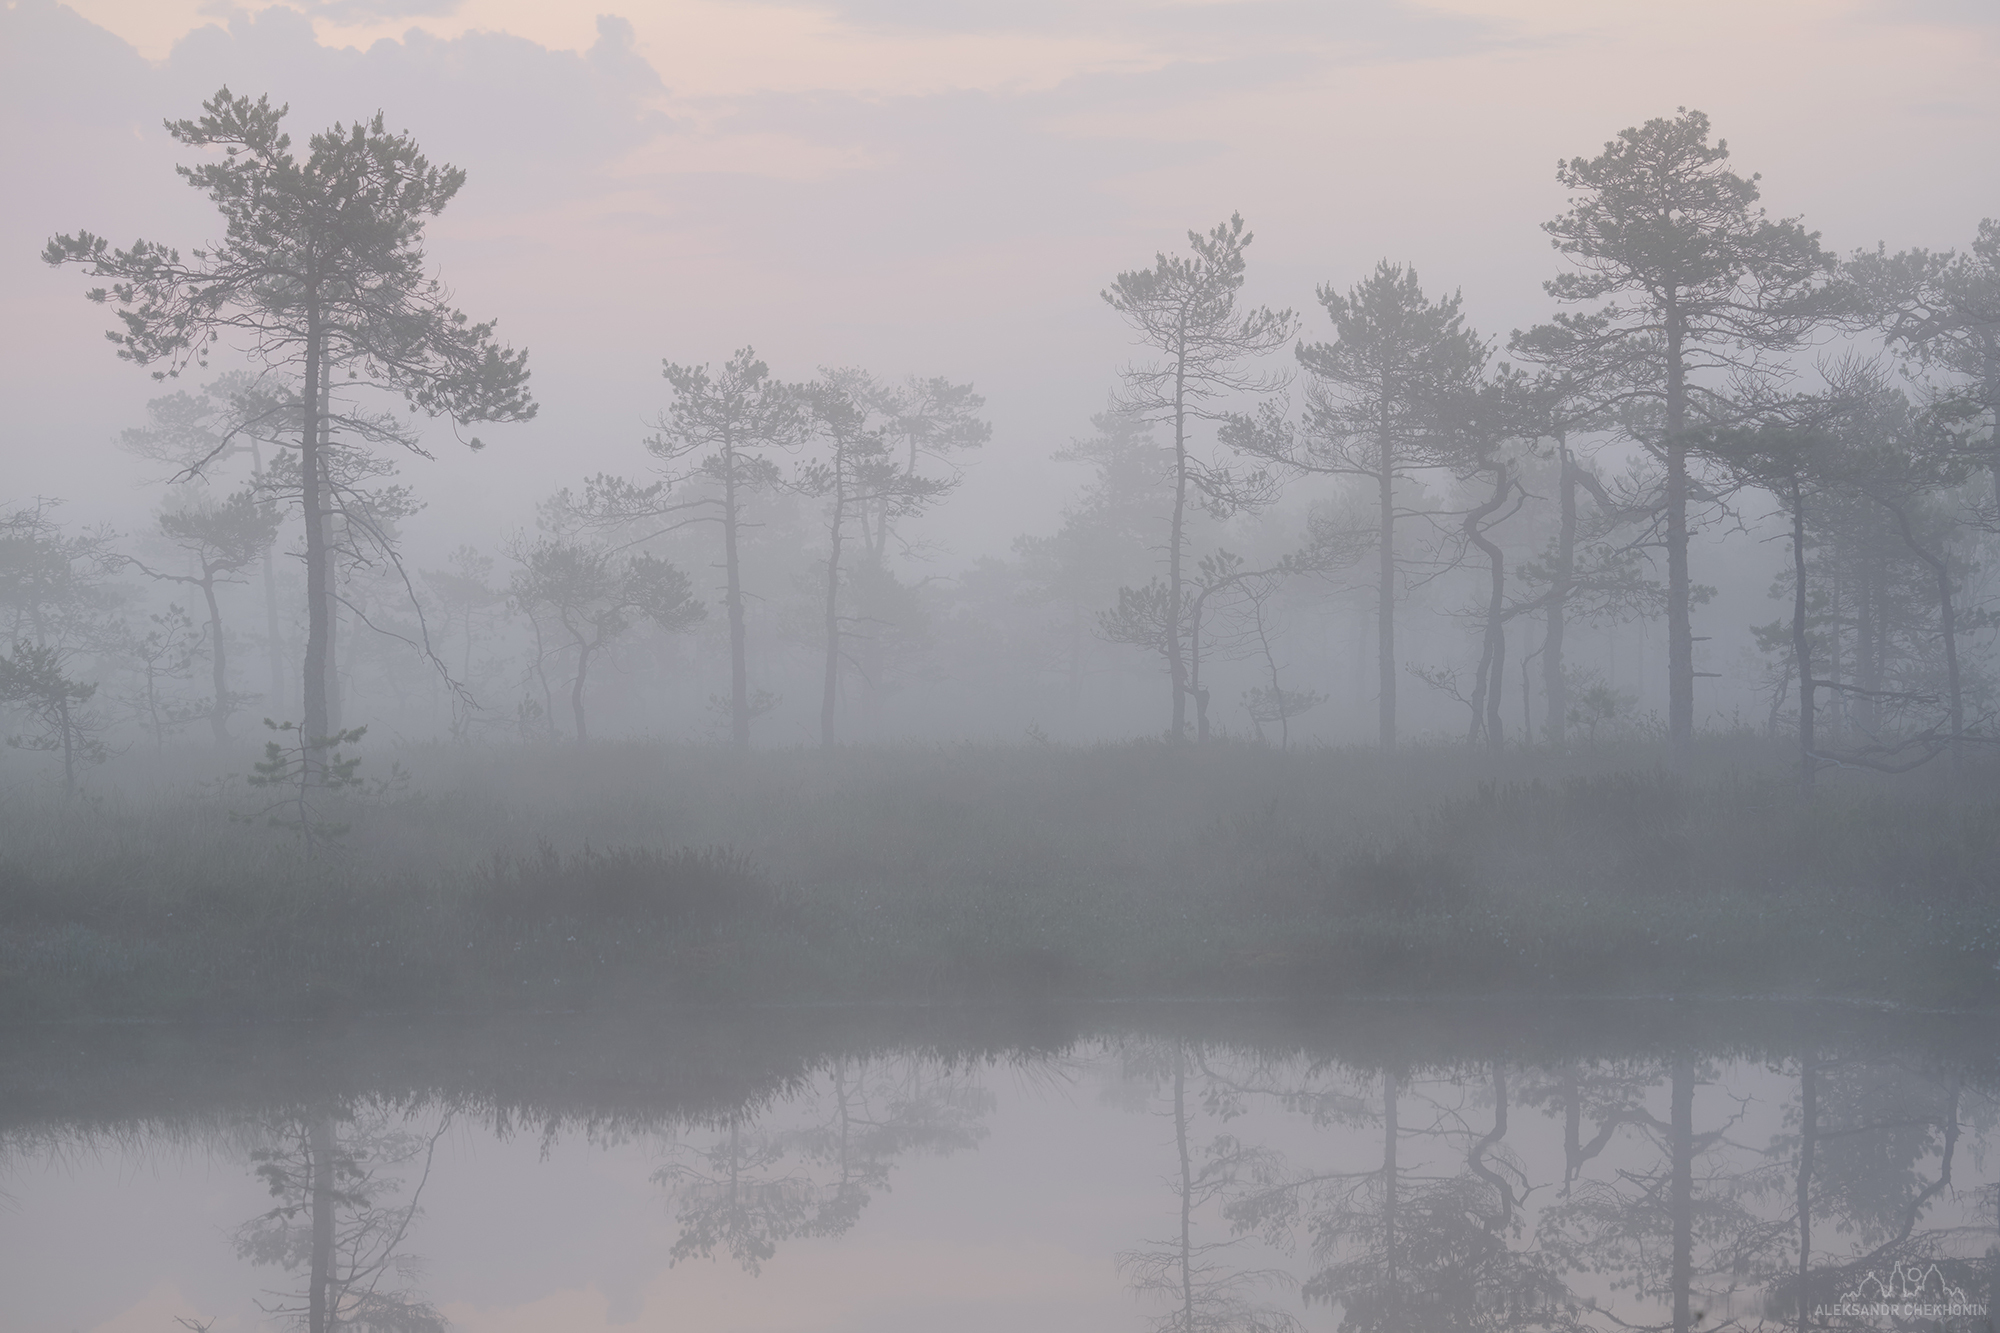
583 652
1488 690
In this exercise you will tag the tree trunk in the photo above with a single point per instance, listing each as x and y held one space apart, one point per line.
335 713
1195 689
1680 624
1176 663
1385 596
739 668
318 587
1075 663
334 520
1555 689
583 651
218 715
1868 607
1948 620
831 692
273 644
1493 648
1990 400
1948 625
1801 643
68 738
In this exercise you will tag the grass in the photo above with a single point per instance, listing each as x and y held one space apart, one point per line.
627 875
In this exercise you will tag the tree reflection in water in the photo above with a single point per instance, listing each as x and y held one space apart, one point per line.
342 1214
1191 1282
811 1162
1373 1183
1432 1235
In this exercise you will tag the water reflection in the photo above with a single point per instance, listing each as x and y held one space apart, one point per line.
1366 1175
341 1219
808 1165
1193 1278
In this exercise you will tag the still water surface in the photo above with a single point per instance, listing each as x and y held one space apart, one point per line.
1376 1168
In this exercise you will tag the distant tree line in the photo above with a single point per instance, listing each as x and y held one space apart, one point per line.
1310 509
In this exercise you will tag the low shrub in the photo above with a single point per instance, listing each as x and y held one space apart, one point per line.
1405 881
683 888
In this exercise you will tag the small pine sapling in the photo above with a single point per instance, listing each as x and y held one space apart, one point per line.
297 770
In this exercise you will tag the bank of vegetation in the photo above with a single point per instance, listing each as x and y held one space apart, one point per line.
634 875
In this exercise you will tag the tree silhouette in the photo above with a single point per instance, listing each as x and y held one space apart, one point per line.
1383 400
219 538
593 595
1688 283
320 269
1186 310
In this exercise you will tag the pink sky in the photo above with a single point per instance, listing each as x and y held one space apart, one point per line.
921 186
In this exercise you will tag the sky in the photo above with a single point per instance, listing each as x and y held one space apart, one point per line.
930 186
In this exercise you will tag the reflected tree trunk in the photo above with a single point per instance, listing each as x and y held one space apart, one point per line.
1390 1242
1680 1198
320 1274
1808 1141
1187 1187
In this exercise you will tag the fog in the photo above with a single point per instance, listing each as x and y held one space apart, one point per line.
942 194
904 665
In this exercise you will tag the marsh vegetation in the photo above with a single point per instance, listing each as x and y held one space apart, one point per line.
633 874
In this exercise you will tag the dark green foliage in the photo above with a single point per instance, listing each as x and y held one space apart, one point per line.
628 885
299 773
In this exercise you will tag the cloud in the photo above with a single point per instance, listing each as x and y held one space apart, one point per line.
615 54
376 11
